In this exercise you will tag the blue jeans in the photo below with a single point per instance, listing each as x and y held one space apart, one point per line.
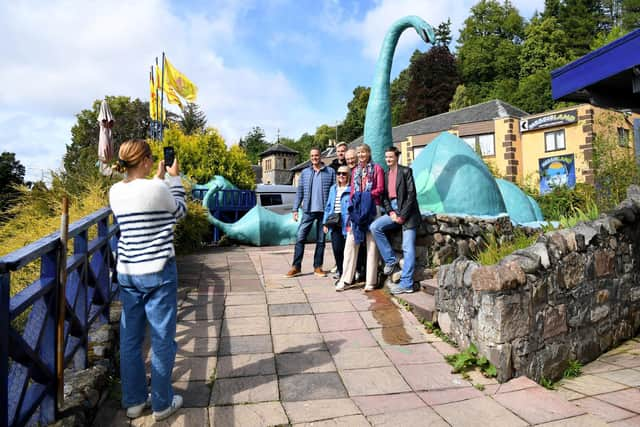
308 218
148 297
378 228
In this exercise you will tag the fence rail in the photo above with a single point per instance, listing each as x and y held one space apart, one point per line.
29 319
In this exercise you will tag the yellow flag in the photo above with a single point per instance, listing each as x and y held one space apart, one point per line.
178 81
172 96
153 105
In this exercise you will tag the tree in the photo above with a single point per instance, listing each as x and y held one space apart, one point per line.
433 81
443 33
11 175
353 125
193 119
581 20
253 144
131 122
461 99
630 14
323 134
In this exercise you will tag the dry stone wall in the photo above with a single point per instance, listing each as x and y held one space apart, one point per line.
572 295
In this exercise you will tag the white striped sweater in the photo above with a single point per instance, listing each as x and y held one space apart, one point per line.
147 210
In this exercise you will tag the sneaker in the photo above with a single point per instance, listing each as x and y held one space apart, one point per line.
369 288
136 411
389 268
336 275
334 269
340 286
395 276
397 289
293 272
319 272
175 405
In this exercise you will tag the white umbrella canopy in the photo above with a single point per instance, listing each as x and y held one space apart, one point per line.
105 140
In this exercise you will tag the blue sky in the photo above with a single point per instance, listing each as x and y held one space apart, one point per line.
278 64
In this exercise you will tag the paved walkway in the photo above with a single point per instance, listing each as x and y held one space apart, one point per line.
258 349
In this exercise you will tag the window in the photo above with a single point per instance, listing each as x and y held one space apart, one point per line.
554 141
485 143
623 137
270 199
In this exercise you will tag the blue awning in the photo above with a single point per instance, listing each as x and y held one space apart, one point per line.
608 76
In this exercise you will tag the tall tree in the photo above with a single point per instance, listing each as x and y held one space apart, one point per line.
443 33
581 20
630 14
461 99
323 134
11 174
131 122
434 78
353 124
193 119
253 144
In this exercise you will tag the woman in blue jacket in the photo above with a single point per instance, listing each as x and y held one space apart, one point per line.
337 204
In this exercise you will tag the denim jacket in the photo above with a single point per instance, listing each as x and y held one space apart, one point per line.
344 206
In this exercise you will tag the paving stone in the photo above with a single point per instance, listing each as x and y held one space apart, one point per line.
630 377
479 412
198 329
331 322
196 347
245 299
289 309
324 297
245 365
245 326
203 298
304 363
349 421
326 385
627 399
254 414
315 410
597 366
195 393
360 358
537 405
248 310
359 338
201 312
364 382
410 418
293 325
432 376
590 385
388 403
193 368
518 383
248 344
398 335
286 297
184 417
296 343
579 421
262 388
110 414
440 397
476 377
413 353
384 318
569 394
629 422
602 409
625 360
332 307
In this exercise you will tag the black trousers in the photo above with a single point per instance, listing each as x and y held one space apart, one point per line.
337 244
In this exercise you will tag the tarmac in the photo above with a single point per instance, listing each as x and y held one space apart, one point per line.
258 349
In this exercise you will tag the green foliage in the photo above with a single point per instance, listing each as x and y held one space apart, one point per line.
461 98
630 14
253 144
11 175
496 249
566 202
579 19
353 125
193 231
573 370
470 359
193 119
579 215
547 383
443 33
204 155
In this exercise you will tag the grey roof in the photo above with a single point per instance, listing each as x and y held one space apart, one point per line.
278 148
485 111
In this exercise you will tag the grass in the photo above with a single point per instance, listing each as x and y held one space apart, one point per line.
495 251
573 370
579 215
469 359
547 383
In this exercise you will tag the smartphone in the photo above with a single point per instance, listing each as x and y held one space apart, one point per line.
169 156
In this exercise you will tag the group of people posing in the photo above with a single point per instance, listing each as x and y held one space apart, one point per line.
356 201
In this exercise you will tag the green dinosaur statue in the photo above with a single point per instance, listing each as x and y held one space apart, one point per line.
377 123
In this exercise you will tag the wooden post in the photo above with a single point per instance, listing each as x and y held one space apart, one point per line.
62 298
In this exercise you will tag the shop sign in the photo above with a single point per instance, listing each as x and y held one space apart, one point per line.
556 119
557 171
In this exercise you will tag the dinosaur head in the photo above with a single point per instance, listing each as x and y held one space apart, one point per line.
425 31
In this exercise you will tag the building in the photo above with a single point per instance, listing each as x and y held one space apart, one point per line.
276 163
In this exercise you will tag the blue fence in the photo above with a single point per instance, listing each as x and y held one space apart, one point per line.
28 381
230 206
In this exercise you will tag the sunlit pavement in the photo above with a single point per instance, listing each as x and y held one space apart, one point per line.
256 348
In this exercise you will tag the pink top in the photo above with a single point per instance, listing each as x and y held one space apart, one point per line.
392 175
377 187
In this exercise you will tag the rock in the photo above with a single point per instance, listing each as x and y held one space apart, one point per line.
498 277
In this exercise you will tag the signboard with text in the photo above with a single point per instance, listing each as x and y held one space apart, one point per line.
556 119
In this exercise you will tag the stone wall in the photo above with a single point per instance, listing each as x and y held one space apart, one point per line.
571 296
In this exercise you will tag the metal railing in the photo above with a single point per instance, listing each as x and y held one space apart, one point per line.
230 206
28 380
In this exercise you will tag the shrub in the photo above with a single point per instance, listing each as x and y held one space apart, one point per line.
495 250
194 230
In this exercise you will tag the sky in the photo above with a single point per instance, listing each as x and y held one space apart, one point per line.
284 65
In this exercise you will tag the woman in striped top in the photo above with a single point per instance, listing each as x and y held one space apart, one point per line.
147 210
337 203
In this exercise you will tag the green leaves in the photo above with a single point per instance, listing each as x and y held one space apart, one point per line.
468 360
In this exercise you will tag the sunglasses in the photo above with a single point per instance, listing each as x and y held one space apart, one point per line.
343 174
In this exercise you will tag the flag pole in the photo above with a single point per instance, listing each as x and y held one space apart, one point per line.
162 100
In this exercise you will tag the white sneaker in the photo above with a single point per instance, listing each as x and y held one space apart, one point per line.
136 411
175 405
369 288
340 286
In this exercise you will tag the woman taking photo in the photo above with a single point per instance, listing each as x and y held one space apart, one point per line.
147 210
367 186
336 215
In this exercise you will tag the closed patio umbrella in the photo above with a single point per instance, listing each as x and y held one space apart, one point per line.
105 140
